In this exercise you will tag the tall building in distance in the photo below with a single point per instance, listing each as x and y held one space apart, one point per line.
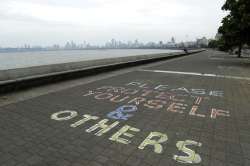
173 40
171 43
218 36
203 42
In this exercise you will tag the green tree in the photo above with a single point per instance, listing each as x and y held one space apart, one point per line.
213 44
235 27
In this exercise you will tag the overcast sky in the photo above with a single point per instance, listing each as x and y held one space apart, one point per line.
46 22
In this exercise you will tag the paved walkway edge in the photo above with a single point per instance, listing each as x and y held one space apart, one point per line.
37 80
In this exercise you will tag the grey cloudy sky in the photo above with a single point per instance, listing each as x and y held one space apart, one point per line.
45 22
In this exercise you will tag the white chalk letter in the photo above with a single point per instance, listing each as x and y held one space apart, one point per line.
85 119
63 115
192 157
156 143
217 112
104 127
123 131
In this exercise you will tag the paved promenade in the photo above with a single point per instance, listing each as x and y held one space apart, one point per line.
193 110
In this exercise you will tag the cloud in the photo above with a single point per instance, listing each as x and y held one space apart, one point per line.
109 13
104 16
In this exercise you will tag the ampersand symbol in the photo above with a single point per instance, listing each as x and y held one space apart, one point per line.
121 112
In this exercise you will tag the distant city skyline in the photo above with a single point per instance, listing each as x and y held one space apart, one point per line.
112 44
45 22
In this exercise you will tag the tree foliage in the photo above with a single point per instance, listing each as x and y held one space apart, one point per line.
213 44
235 27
